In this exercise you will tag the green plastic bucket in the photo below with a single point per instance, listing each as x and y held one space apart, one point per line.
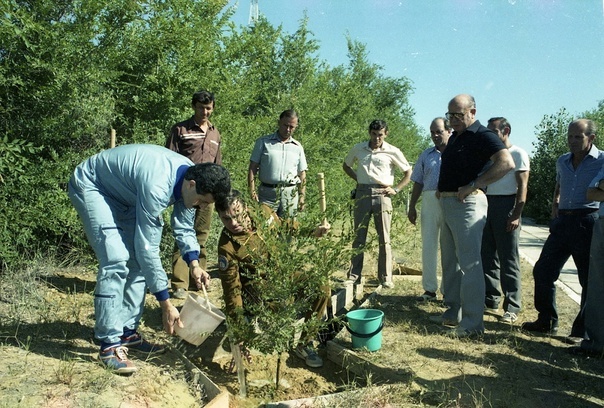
365 328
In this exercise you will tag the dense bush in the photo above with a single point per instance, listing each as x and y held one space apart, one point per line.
551 143
71 71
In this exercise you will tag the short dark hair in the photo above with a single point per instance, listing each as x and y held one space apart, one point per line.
378 125
231 198
503 123
204 97
210 178
445 121
289 113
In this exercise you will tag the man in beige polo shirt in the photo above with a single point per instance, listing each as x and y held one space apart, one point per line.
376 162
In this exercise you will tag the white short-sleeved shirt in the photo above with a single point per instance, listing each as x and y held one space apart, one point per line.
507 184
376 166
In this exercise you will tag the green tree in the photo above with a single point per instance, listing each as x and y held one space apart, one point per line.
71 71
597 115
551 143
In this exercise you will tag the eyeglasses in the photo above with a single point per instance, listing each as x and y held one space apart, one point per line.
456 115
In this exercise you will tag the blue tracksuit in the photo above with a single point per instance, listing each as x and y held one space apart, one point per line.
120 195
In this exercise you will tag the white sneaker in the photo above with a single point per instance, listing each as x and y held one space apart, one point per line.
352 279
508 317
180 293
309 355
388 284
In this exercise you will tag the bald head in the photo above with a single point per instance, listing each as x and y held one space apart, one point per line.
588 126
462 112
464 100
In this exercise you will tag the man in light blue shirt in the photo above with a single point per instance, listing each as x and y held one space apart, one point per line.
573 217
425 183
280 164
120 195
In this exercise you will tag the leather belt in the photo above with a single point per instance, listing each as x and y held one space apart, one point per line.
276 185
579 212
371 186
501 195
454 193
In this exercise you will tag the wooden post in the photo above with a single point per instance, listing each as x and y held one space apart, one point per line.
236 351
322 200
112 139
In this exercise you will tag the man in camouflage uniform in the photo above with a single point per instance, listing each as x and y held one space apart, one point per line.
239 246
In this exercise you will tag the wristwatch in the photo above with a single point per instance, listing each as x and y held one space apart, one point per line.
396 190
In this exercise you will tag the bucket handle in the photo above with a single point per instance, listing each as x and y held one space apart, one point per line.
365 336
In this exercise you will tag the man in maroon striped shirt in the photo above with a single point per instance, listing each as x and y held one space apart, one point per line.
197 139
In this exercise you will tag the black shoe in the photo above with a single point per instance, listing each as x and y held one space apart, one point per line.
583 352
427 297
541 327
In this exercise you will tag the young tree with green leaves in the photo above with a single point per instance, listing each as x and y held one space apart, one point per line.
551 143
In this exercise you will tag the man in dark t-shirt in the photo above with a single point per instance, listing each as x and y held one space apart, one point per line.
474 158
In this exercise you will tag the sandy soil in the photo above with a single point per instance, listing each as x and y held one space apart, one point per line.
49 358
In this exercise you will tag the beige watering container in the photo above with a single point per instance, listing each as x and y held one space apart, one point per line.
200 319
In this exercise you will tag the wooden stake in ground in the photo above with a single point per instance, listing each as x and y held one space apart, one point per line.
322 200
237 356
112 139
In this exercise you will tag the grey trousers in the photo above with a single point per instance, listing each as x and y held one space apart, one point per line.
500 256
463 279
283 200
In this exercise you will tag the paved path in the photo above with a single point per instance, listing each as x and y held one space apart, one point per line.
532 237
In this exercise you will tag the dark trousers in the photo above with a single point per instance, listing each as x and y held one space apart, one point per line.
594 304
570 235
500 256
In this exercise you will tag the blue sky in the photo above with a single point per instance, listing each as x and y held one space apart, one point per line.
521 59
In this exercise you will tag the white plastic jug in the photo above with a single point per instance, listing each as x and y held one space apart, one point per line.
200 319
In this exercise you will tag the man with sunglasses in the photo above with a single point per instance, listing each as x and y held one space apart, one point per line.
474 158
